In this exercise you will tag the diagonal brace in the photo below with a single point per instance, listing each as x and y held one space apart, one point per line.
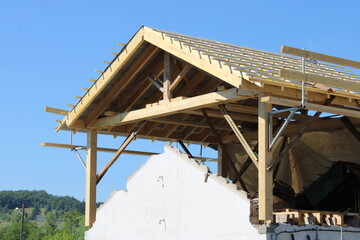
348 124
185 149
297 136
239 135
127 141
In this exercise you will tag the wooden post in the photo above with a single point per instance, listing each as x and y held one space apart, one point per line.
166 80
265 157
222 161
90 200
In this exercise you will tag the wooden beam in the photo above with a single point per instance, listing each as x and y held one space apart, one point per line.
265 157
56 111
91 161
239 135
320 57
169 108
294 91
311 106
127 141
176 121
108 150
223 161
181 75
104 79
166 77
217 114
328 81
348 124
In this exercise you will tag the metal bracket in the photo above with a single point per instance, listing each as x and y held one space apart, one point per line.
79 156
76 151
273 140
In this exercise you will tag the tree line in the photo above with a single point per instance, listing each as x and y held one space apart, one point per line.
39 199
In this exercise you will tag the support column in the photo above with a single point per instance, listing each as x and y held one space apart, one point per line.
265 157
166 77
223 161
90 200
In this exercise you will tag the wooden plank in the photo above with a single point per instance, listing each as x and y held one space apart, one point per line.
104 79
91 159
239 135
56 111
164 109
166 77
311 106
265 157
319 56
328 81
181 75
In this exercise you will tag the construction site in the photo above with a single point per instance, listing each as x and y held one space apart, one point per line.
285 126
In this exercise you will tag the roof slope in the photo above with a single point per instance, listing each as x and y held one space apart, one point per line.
200 67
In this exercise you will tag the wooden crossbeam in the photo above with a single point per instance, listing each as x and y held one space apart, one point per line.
127 141
320 57
314 78
217 114
187 123
99 149
169 108
239 135
311 106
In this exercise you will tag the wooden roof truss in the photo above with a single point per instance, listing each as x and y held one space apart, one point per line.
208 92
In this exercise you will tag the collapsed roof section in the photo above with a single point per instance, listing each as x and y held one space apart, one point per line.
204 74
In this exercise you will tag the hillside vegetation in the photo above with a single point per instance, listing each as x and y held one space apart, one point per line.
64 216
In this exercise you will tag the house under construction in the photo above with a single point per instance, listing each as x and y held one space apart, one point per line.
284 124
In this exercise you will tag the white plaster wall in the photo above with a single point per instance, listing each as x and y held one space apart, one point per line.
168 198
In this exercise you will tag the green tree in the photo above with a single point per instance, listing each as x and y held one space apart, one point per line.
36 211
48 208
50 224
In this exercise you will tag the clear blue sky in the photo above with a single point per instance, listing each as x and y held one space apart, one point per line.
48 50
